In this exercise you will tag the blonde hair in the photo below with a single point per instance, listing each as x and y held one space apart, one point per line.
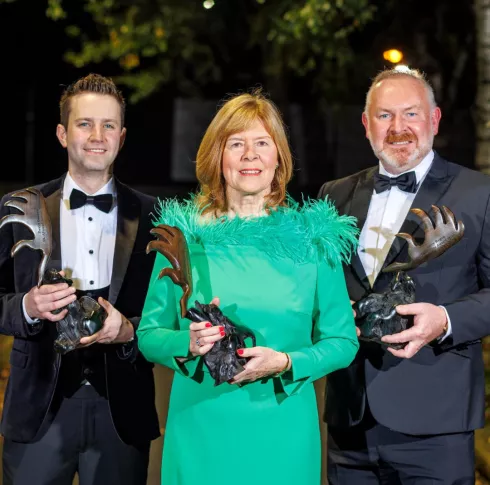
236 115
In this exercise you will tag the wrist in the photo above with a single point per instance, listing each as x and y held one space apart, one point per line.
286 366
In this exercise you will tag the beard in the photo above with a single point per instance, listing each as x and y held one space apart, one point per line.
401 158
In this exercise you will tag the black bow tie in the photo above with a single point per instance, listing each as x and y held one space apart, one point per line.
102 202
406 182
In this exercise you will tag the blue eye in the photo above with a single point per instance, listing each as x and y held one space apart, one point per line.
411 114
108 125
384 116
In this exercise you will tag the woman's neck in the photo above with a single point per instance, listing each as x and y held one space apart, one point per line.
246 205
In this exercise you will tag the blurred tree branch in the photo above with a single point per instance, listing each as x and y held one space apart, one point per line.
153 42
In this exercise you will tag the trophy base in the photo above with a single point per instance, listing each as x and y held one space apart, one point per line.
385 345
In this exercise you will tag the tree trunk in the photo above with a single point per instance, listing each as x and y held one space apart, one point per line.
482 102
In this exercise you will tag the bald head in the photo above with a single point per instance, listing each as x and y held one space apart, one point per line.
397 73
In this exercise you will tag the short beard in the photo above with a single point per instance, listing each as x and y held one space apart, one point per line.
397 164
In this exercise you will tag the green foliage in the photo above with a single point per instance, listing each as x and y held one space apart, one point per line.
157 41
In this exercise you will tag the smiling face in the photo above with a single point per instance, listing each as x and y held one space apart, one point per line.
249 161
94 134
400 123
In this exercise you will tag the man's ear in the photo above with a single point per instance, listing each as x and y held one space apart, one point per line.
61 135
122 138
365 122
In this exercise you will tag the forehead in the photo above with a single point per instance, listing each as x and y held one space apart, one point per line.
399 92
256 128
94 105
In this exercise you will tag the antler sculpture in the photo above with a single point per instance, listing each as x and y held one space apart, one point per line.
34 215
171 243
439 237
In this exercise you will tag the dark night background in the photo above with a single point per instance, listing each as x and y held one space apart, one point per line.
328 141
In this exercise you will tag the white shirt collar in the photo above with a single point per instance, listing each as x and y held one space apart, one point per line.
420 170
70 184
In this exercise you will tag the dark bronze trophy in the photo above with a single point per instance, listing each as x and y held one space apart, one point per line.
85 316
375 314
222 360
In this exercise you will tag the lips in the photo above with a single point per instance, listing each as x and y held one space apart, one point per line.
400 140
96 151
250 172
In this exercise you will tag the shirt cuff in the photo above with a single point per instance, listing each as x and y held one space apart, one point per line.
28 319
449 327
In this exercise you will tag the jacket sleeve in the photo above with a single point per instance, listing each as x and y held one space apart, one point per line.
162 336
334 341
12 321
470 315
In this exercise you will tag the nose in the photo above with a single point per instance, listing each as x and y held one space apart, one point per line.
398 124
96 134
249 153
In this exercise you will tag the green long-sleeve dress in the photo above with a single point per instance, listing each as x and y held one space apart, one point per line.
280 276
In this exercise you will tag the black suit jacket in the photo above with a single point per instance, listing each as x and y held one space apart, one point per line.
34 363
441 389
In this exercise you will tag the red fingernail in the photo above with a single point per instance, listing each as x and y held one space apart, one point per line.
239 351
208 325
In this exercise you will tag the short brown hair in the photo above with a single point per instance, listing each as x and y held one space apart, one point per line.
93 83
236 115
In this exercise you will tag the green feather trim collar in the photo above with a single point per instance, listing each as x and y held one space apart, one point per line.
314 231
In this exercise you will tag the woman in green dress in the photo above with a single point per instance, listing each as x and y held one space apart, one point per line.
277 270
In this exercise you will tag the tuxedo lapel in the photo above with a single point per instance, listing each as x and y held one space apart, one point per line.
128 217
53 207
432 189
359 208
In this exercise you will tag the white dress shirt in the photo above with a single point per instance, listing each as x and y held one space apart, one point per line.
88 239
387 212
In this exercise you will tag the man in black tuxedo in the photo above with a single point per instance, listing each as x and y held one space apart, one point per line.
92 410
408 416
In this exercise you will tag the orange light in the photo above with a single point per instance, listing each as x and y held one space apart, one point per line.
393 55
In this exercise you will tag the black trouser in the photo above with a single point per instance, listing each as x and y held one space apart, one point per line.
81 439
371 454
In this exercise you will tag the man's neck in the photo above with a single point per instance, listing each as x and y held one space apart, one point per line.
92 182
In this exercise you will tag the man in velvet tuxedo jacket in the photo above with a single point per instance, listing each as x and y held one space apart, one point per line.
409 415
92 410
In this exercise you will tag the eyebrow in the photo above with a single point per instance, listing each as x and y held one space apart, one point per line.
92 119
415 106
238 138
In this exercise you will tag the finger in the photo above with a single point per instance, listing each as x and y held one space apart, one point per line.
203 349
215 301
89 340
410 309
46 289
214 330
196 326
56 305
250 352
52 317
407 352
358 331
402 337
209 340
57 295
105 305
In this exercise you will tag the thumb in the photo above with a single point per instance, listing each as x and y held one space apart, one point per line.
105 304
215 301
410 309
249 352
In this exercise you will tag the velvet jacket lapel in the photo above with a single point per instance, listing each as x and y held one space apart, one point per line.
128 218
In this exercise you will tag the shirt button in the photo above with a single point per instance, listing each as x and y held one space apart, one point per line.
90 219
91 251
91 282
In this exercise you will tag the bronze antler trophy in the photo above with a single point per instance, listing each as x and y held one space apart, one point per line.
375 314
222 360
84 316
